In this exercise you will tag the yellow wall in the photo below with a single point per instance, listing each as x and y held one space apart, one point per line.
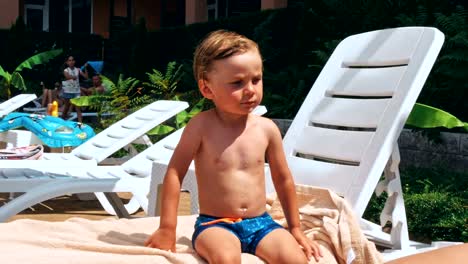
9 11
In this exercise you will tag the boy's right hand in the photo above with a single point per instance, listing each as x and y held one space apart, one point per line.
162 239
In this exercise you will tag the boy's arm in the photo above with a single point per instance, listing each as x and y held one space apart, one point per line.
284 186
164 237
281 176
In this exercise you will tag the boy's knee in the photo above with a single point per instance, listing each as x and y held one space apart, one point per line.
291 258
225 257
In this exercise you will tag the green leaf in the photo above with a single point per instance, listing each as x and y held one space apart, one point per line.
181 117
107 83
197 108
424 116
6 75
39 58
160 130
18 81
82 101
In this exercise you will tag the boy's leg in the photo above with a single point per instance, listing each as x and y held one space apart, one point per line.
218 245
279 246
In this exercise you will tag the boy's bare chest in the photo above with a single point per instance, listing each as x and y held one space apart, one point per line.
238 151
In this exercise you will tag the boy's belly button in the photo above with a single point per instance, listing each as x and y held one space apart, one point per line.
243 209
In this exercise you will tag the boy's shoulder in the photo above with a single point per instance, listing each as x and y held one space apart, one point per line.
267 123
201 119
203 116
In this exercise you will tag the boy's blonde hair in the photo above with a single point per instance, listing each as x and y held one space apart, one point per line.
218 45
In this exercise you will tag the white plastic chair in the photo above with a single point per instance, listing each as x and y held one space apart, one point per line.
14 103
345 134
115 137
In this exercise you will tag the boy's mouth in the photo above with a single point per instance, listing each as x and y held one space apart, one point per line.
249 103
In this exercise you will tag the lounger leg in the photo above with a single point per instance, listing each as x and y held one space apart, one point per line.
394 209
131 207
117 205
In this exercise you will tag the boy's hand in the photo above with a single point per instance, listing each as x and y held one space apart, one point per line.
309 246
162 239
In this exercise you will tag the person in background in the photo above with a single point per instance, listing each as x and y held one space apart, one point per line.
97 87
71 86
47 93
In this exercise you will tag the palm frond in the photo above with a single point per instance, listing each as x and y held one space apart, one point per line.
18 81
6 75
39 58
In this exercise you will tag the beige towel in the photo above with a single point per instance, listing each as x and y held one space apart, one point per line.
328 219
324 216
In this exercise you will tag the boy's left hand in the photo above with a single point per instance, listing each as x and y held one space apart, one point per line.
309 246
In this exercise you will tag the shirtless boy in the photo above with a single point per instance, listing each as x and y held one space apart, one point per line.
229 145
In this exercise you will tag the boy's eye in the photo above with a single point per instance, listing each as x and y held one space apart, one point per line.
256 80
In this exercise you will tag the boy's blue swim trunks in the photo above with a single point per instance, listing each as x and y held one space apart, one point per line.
249 230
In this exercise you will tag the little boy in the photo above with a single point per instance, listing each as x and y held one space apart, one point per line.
229 145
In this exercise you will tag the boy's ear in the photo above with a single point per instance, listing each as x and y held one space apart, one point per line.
204 89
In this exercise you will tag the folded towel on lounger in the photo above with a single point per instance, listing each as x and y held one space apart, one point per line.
324 216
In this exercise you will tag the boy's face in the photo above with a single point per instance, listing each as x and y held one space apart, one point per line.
234 84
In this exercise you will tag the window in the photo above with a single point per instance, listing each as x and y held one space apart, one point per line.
228 8
36 16
80 16
212 8
59 15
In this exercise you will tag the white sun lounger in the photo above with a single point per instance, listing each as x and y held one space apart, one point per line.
14 103
103 144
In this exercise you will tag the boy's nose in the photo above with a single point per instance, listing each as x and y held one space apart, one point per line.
249 89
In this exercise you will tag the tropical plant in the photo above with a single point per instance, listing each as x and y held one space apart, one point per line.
447 85
425 116
294 79
164 85
15 79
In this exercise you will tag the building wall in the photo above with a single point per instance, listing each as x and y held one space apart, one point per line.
120 8
101 17
195 11
9 11
150 10
274 4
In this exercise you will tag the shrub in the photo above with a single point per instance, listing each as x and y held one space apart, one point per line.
436 204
